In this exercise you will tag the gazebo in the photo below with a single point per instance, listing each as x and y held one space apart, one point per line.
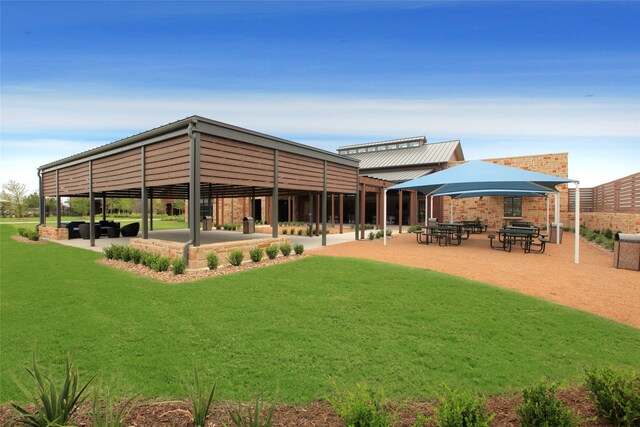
478 178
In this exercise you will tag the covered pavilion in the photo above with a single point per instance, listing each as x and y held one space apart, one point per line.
198 159
478 178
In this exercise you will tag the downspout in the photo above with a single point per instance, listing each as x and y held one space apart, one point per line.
185 248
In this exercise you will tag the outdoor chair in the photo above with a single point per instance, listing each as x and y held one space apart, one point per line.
74 232
130 230
85 229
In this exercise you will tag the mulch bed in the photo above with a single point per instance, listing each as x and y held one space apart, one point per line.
25 240
191 275
174 413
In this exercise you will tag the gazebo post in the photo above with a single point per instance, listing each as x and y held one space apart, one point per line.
431 208
384 216
547 228
451 213
341 212
104 206
357 206
92 208
577 225
426 210
143 197
324 207
399 212
274 202
150 210
556 218
58 213
311 197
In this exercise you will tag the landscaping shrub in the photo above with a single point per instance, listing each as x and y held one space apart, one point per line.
300 232
379 234
285 248
371 235
236 256
608 233
616 395
361 407
136 255
29 234
541 407
284 231
160 263
459 408
414 228
107 251
125 253
298 248
272 251
253 417
53 406
178 265
116 251
200 400
212 261
292 231
256 254
389 233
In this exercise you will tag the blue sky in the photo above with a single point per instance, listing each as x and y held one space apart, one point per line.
506 78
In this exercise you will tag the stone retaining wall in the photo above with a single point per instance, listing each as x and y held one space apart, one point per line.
53 233
198 255
625 222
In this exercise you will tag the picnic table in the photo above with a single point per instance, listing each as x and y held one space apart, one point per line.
445 234
508 236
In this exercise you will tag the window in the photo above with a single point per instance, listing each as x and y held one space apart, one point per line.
392 147
382 148
513 207
369 149
343 152
361 150
414 144
352 151
403 145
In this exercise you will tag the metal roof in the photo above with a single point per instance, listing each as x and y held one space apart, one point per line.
209 126
426 154
420 139
398 176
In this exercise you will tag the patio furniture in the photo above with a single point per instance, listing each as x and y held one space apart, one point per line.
130 230
542 242
506 244
85 230
106 225
72 227
113 232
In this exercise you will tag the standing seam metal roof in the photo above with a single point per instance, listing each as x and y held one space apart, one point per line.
432 153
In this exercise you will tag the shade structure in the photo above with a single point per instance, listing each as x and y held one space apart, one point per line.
478 175
478 178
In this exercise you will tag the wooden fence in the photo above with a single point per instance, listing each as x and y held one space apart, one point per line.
621 195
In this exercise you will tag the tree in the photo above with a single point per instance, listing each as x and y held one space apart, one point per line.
80 205
15 193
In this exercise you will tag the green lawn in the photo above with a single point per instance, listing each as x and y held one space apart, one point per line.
157 223
297 328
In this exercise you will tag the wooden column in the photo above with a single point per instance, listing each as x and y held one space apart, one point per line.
411 207
217 210
363 196
400 212
333 211
377 209
222 211
341 209
317 213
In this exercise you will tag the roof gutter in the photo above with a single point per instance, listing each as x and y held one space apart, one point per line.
192 218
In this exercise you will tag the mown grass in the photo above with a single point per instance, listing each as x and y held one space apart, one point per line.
296 329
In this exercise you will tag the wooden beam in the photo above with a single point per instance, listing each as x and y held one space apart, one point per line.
363 196
400 212
317 214
341 212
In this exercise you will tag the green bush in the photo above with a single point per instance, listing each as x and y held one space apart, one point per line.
379 234
284 231
136 255
236 256
459 408
272 251
616 395
107 251
414 228
371 235
298 248
292 231
389 233
200 400
541 407
53 406
300 232
213 261
161 263
178 265
285 248
256 254
29 234
361 407
608 233
125 253
253 417
116 251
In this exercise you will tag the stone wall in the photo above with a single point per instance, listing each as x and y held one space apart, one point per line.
534 209
198 255
53 233
625 222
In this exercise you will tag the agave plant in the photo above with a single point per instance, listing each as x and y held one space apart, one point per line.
253 417
53 406
105 412
200 401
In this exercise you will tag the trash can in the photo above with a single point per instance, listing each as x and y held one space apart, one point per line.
553 231
206 223
626 251
248 225
432 222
